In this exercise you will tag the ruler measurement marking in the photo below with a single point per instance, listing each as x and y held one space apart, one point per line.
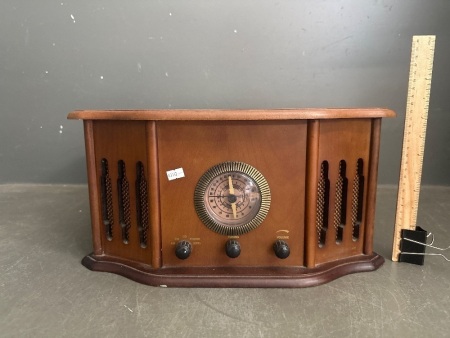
419 87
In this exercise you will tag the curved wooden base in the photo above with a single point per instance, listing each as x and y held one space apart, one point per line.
270 277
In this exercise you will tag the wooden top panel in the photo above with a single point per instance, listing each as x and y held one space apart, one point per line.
231 115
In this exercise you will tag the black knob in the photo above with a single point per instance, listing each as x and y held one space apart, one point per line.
281 249
183 249
232 248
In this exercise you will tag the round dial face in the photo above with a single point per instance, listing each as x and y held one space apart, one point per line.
232 198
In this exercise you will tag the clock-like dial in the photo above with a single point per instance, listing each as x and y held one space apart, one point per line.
232 198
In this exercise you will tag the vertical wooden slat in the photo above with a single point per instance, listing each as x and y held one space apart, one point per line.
153 175
93 185
372 185
312 157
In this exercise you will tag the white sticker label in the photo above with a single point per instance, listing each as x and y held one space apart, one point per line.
174 174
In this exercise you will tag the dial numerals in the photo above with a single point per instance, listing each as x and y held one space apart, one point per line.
245 199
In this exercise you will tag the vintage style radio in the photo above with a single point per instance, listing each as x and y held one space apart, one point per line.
232 198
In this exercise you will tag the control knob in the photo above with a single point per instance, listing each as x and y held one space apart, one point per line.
281 249
183 249
232 248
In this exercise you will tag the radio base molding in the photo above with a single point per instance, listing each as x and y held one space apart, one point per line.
238 277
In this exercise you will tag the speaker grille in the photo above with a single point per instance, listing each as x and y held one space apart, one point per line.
341 192
125 202
107 203
340 207
142 204
357 199
123 189
323 195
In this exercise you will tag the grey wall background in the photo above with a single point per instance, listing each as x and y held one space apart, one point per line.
58 56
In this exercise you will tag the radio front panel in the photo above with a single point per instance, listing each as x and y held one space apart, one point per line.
209 143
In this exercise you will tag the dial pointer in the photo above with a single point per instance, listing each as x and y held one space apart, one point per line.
233 205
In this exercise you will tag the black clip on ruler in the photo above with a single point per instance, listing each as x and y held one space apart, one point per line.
413 244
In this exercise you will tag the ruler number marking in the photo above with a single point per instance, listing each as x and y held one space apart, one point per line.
418 99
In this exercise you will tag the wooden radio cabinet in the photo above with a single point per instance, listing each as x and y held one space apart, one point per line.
233 198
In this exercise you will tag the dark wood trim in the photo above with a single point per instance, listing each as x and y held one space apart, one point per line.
372 186
311 192
93 186
237 277
230 115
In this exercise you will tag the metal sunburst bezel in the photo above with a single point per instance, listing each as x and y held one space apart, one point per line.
220 169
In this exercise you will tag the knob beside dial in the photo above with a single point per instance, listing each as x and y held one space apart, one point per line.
281 249
183 249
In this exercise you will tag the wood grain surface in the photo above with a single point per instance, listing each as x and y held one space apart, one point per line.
288 147
224 115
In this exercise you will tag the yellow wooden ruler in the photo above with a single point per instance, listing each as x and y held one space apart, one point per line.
419 85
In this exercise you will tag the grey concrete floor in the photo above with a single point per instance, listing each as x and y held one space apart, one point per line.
46 292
